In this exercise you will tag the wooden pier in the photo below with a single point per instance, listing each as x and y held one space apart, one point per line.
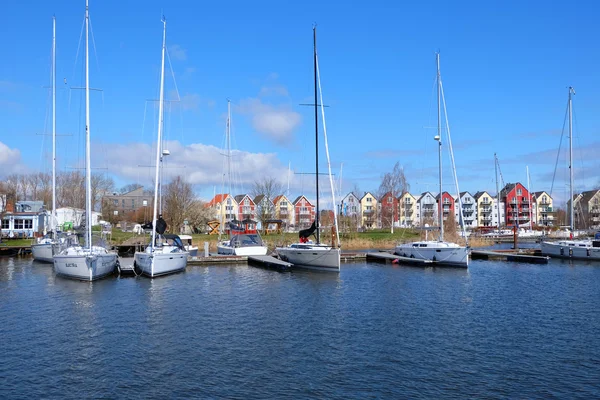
269 262
217 259
386 257
508 256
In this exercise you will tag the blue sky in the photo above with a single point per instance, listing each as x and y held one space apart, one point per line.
505 68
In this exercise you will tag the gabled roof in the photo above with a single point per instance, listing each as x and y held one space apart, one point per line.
241 197
449 195
299 198
366 194
424 194
406 194
217 199
350 194
259 198
462 194
588 195
278 198
480 193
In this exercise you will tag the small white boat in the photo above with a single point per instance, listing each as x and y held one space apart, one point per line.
243 244
47 247
168 256
443 253
311 256
87 264
573 249
187 243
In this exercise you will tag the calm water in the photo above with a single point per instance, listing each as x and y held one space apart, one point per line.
498 330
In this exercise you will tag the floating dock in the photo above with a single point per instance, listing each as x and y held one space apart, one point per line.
386 257
506 256
217 259
269 262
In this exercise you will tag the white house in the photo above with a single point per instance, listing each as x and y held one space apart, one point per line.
74 216
27 219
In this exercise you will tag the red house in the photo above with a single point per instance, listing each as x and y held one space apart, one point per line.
246 211
447 204
517 202
304 212
389 209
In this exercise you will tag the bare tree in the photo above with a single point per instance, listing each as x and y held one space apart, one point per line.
70 189
395 183
129 188
178 197
198 214
101 186
268 188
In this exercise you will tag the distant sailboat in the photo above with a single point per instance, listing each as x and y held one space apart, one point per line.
442 252
87 262
165 254
585 249
317 256
242 241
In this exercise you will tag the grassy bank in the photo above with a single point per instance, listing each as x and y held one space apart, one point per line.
375 239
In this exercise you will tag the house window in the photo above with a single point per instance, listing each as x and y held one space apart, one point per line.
246 202
283 204
218 207
28 223
5 223
18 224
123 203
116 202
389 200
369 199
132 203
446 201
519 192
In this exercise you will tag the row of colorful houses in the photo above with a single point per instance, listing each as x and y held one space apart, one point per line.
516 206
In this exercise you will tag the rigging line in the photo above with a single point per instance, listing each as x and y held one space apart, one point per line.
559 147
94 45
78 47
173 75
462 218
335 219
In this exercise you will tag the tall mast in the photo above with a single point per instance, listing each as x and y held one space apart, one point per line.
316 132
88 168
497 190
160 126
439 140
571 207
229 145
53 127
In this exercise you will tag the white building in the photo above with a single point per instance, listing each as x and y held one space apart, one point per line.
74 216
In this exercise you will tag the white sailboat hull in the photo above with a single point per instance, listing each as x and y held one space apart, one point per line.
309 256
443 253
224 249
571 249
83 264
45 252
159 262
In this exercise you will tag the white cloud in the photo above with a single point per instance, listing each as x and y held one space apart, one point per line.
177 52
273 90
200 164
274 122
10 160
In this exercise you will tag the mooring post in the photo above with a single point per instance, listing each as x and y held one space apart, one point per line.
206 249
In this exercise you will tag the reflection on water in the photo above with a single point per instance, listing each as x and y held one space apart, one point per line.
498 329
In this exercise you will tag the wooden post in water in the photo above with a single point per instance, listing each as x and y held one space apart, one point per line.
515 238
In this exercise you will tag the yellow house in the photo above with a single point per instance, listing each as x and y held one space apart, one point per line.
225 208
485 209
543 211
368 210
407 204
284 210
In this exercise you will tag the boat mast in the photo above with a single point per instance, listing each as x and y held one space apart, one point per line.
497 190
229 151
439 140
160 125
316 132
571 207
88 168
53 127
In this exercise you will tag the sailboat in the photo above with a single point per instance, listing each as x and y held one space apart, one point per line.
584 249
165 254
306 254
242 241
86 262
441 252
48 246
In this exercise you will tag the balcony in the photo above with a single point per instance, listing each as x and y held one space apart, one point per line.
486 202
368 212
486 209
